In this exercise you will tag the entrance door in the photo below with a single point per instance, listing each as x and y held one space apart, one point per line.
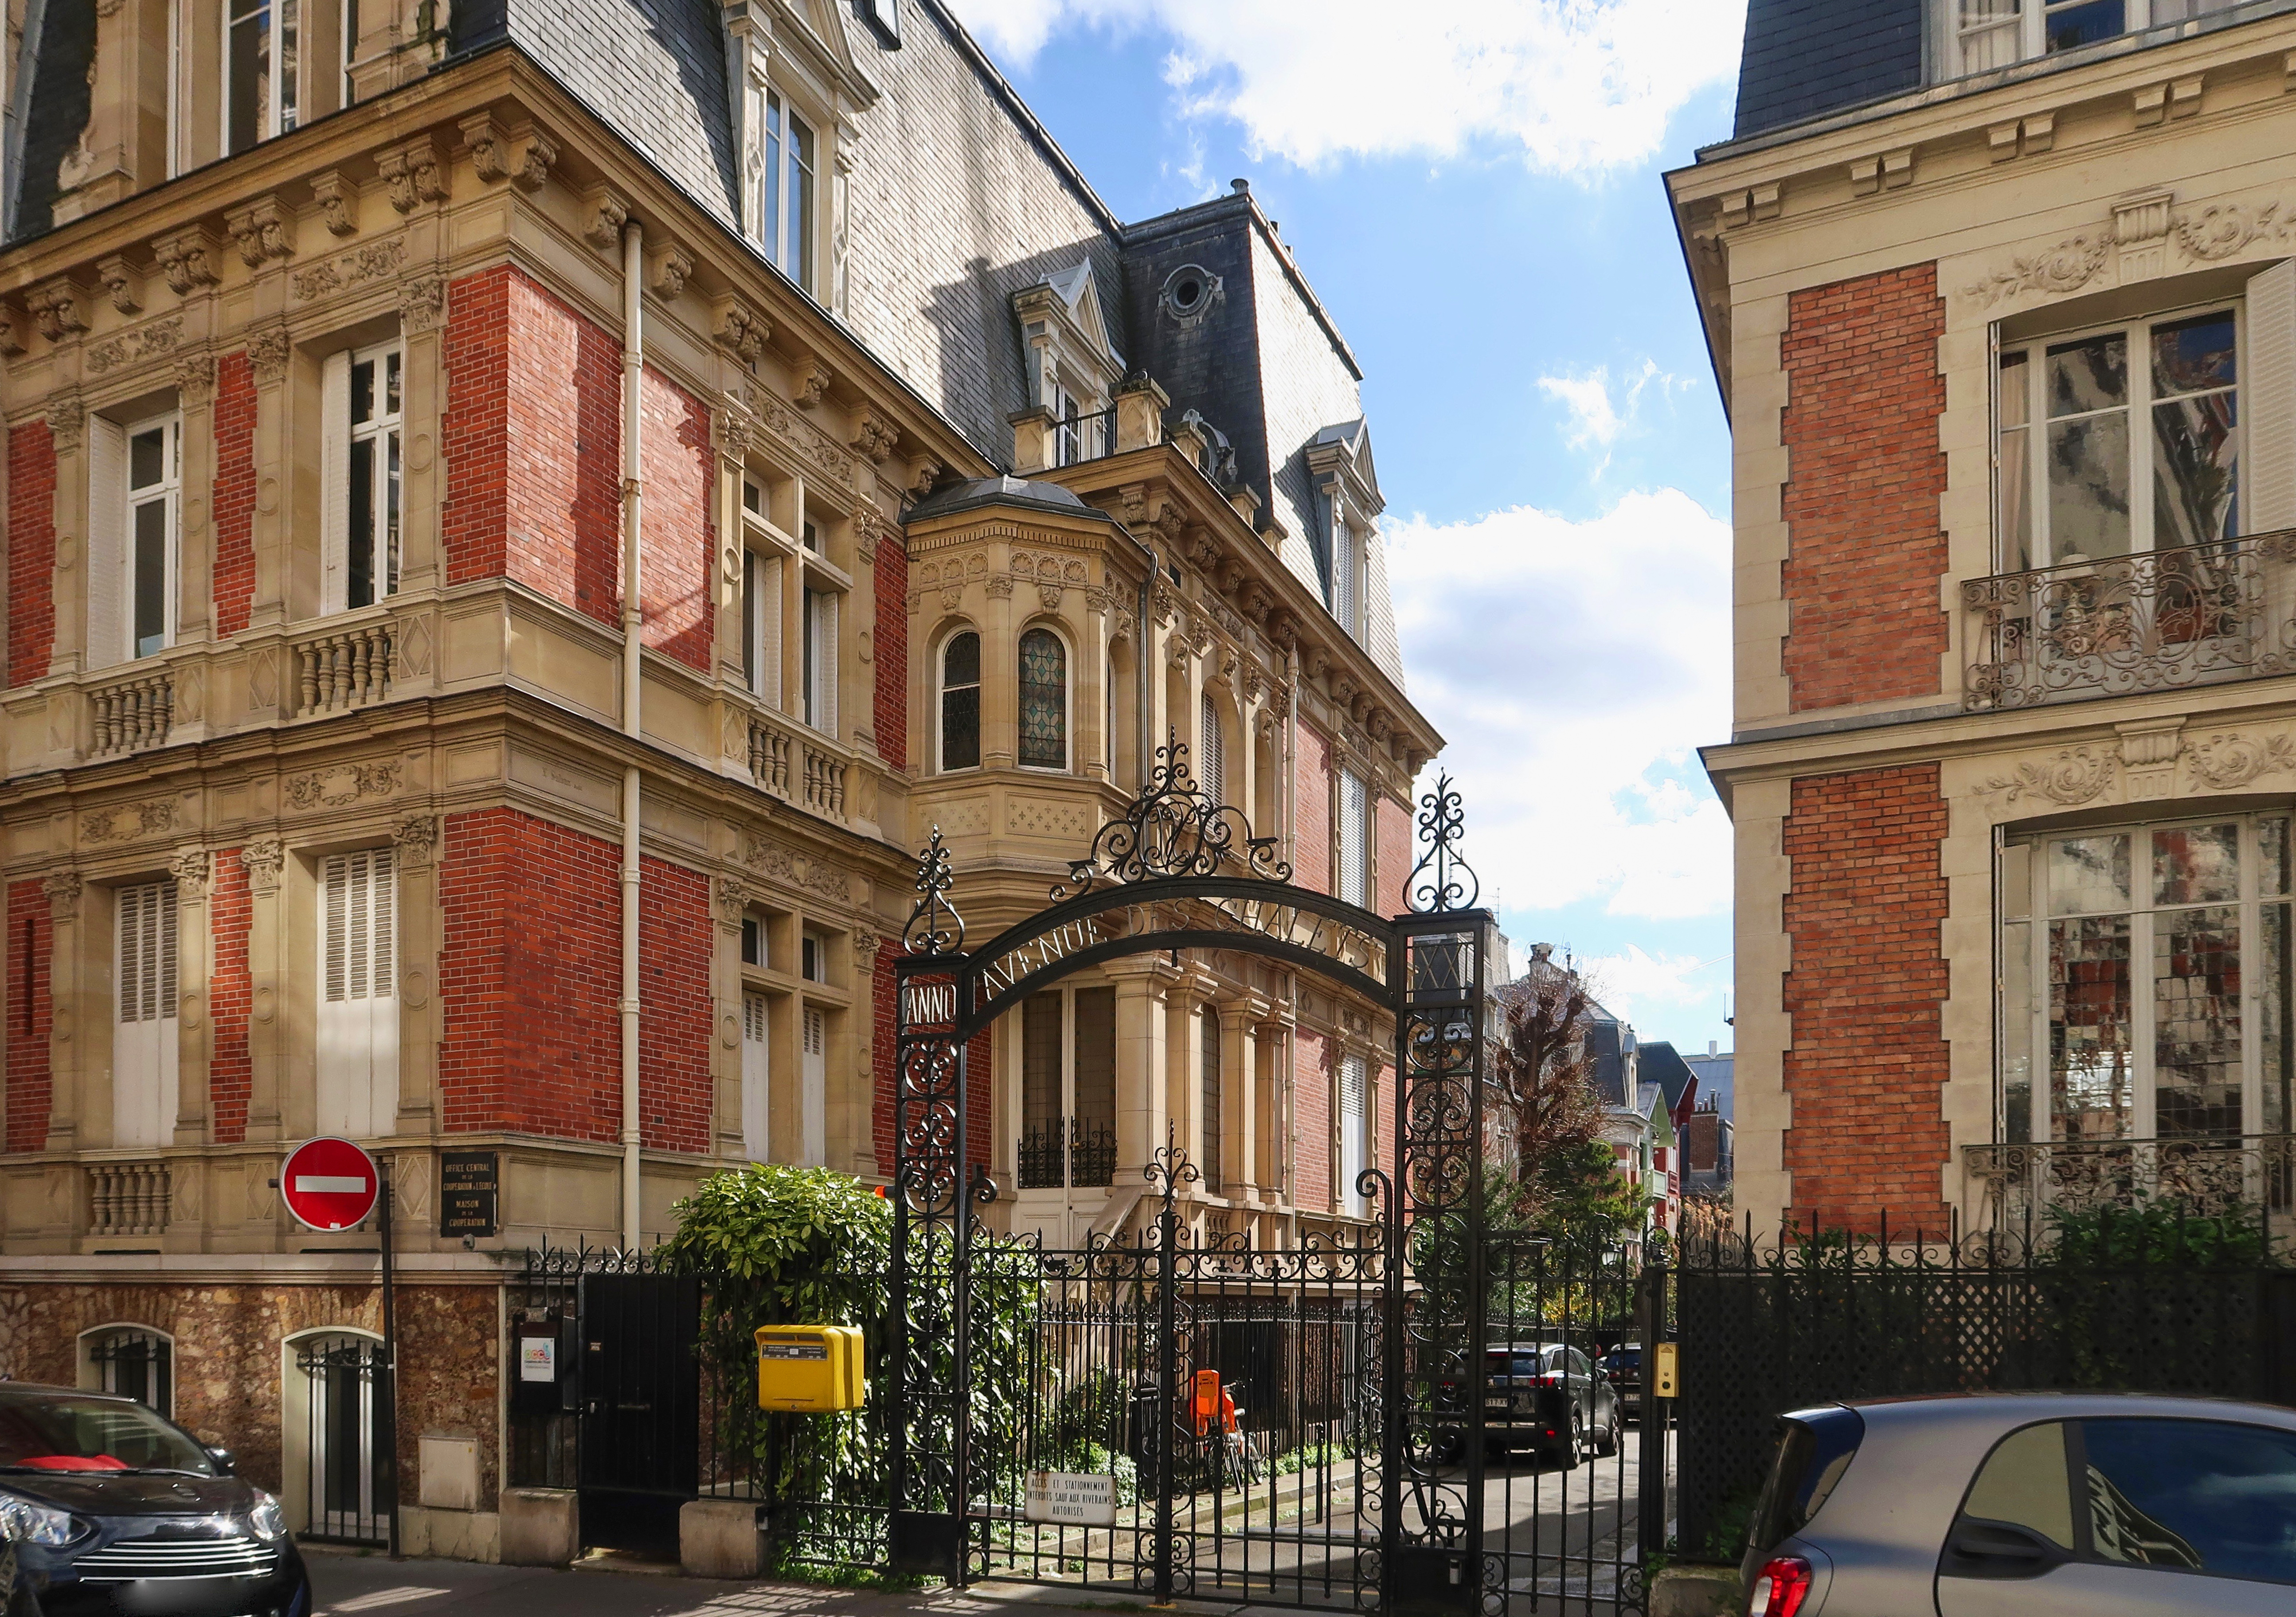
340 1373
641 1408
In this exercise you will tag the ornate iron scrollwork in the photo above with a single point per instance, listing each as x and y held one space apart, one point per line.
1173 828
1442 881
934 927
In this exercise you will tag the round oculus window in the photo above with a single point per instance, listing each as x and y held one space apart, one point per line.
1189 293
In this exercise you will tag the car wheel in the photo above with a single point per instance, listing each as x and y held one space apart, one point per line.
1566 1457
1607 1443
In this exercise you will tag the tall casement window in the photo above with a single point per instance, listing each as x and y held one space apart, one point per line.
1355 1130
761 624
1044 701
786 209
144 1045
812 1090
821 661
1211 750
2120 440
1079 431
1068 1089
1210 1111
358 1002
361 395
1355 839
960 701
757 1072
2145 982
135 502
1347 575
1979 35
261 70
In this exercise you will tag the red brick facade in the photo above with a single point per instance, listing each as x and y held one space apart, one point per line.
532 436
1311 811
675 1091
1313 1122
1866 548
680 468
29 1075
1867 1065
230 1071
1392 843
32 550
234 493
889 648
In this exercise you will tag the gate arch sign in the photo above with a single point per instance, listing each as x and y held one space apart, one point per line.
1180 870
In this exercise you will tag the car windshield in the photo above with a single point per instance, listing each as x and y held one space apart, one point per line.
67 1434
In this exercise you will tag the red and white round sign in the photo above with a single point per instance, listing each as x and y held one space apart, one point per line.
329 1184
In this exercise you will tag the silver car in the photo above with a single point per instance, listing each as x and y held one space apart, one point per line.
2027 1504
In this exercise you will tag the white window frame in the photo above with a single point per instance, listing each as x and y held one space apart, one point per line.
113 505
941 688
763 569
356 1019
283 24
813 1086
145 1048
2031 28
167 494
2024 929
819 626
796 259
1068 697
2138 410
339 440
757 1076
1018 1131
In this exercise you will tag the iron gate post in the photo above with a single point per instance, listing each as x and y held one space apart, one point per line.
1650 1520
1167 1372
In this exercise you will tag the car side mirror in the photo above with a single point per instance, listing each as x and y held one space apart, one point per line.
225 1462
1980 1548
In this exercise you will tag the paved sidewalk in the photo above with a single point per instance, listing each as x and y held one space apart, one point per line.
371 1586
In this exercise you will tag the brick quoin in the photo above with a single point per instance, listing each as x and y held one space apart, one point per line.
530 978
676 1091
532 437
890 644
234 493
31 1083
230 1071
31 551
1867 1068
679 466
1311 793
1391 836
1865 546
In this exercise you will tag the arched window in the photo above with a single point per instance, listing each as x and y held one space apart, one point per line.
1044 701
1211 750
960 701
132 1360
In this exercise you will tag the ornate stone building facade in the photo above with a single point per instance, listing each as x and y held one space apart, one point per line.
347 786
2001 298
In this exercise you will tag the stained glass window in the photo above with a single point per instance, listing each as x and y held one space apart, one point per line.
1044 701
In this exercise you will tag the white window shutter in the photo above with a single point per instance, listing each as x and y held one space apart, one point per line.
829 605
757 1072
335 481
2267 384
358 1008
769 635
107 543
144 1043
813 1092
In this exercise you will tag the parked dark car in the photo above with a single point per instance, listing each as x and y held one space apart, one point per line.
1624 1367
1547 1397
111 1508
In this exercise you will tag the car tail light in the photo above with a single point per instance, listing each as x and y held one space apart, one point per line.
1780 1588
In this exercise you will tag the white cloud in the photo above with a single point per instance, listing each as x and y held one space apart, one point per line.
1602 414
1636 985
1573 668
1577 86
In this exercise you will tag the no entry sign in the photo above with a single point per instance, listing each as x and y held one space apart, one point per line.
329 1184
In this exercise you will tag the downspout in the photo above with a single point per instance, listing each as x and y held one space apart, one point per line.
1146 661
1287 796
633 646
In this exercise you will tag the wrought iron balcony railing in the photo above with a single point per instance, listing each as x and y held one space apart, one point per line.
1091 1154
2200 614
2207 1174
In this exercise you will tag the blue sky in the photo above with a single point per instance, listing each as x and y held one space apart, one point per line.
1479 203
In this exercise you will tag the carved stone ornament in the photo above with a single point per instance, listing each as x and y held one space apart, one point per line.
67 421
56 310
125 822
1000 586
137 343
1049 596
873 435
191 868
412 174
793 869
122 281
868 529
13 324
421 304
738 328
603 215
416 838
2075 777
733 901
667 269
2224 762
186 258
343 783
866 940
195 375
922 475
62 889
2224 229
267 354
263 230
521 153
375 261
337 195
808 381
2066 268
262 859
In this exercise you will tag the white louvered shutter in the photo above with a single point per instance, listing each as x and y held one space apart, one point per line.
769 634
812 1091
144 1048
107 543
829 605
1211 763
335 482
1353 864
358 1004
757 1076
2267 403
1354 1130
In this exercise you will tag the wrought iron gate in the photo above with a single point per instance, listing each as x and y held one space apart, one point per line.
640 1407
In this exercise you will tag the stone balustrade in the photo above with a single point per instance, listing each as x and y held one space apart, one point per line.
129 715
127 1198
344 669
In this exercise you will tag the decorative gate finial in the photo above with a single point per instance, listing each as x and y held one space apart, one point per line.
934 927
1173 828
1448 883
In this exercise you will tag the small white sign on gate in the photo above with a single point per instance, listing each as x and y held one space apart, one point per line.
1085 1499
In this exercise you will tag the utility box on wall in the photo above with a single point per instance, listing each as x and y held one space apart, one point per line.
809 1369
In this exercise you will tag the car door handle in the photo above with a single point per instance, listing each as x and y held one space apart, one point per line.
1982 1548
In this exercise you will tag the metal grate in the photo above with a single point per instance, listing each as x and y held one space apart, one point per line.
235 1554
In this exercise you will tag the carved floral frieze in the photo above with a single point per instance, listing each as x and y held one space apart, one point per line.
2076 776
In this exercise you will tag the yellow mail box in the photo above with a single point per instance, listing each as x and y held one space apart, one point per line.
809 1367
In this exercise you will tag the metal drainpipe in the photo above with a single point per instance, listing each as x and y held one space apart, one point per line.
633 623
1289 789
1146 724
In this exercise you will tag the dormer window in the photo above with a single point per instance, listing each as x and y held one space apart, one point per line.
262 69
785 211
1072 371
1978 35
